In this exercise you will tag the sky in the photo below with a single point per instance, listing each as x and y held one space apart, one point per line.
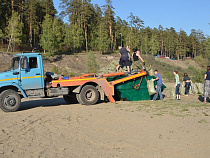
180 14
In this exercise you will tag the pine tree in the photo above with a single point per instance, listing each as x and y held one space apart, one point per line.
73 37
32 19
160 28
92 63
181 45
47 38
102 39
14 31
206 45
87 14
58 30
109 19
173 40
154 42
2 36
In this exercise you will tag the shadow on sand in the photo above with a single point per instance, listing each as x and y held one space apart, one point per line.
48 102
201 98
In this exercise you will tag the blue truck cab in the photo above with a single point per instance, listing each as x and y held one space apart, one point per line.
25 78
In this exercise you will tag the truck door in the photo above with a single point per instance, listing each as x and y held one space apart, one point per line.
32 77
15 69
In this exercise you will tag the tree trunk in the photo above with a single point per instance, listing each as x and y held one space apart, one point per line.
34 36
111 36
22 10
12 4
30 33
115 39
86 38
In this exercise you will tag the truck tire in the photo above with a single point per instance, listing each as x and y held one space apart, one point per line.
71 98
79 99
9 100
88 96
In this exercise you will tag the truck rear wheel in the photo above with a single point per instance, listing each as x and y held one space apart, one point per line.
9 101
71 98
88 96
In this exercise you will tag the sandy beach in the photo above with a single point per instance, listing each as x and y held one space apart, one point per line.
52 128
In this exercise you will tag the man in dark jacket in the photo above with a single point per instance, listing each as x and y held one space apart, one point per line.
124 58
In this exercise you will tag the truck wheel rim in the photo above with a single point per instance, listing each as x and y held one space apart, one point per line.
90 95
10 101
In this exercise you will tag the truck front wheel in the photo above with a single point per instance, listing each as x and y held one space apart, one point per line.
88 96
9 101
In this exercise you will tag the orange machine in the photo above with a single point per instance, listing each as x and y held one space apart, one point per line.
91 80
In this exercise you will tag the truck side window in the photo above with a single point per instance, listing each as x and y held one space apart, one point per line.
15 63
33 62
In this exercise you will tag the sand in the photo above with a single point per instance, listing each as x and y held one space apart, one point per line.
53 129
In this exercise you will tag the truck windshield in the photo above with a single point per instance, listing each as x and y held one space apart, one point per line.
15 63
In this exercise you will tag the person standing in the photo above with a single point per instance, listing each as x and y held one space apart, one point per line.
159 86
186 83
137 56
207 84
137 59
124 58
177 85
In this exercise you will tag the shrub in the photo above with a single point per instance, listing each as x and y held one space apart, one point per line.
197 75
92 64
55 70
201 61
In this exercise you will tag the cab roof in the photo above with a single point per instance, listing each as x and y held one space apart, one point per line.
27 54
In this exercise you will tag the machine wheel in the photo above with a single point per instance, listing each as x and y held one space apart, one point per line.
9 101
71 98
79 99
88 96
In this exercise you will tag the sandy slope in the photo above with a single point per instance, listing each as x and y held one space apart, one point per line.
51 128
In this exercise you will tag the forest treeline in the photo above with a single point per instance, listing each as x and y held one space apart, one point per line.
25 24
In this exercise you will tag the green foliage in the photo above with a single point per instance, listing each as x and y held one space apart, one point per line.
102 39
91 27
196 74
14 30
51 37
109 21
58 29
73 37
1 34
55 70
206 44
92 64
203 62
154 43
169 76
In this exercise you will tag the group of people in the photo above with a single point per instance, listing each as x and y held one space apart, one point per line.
125 60
186 83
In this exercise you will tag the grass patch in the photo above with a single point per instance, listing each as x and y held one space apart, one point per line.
182 108
203 121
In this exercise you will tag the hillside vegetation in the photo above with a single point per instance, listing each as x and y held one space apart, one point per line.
74 65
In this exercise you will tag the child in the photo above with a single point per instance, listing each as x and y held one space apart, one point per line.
177 85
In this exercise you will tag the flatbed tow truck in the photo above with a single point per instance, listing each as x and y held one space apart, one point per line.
26 79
